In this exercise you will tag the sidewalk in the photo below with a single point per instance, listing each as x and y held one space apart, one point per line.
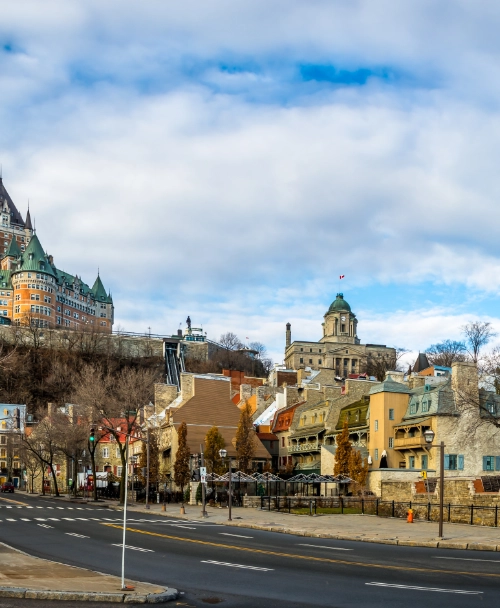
368 528
25 576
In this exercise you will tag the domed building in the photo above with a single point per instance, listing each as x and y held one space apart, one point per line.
339 348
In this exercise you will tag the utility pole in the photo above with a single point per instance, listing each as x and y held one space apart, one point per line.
203 486
147 467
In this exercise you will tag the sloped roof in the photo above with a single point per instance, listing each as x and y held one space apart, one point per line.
210 406
439 400
356 414
100 292
390 386
16 217
421 363
34 258
280 421
13 249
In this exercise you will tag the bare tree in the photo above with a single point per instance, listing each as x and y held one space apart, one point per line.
477 334
43 442
32 465
378 365
115 402
446 352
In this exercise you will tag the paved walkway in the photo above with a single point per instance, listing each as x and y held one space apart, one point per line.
344 527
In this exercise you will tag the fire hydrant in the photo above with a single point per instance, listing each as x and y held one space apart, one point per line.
409 519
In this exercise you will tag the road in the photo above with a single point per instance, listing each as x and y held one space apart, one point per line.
241 567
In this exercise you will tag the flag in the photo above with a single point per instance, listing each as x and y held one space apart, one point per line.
342 276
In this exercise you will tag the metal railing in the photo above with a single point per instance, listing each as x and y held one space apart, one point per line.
474 515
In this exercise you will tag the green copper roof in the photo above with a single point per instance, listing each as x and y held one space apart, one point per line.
390 386
34 258
13 250
339 304
100 292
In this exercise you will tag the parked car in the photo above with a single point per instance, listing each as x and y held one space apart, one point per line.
8 486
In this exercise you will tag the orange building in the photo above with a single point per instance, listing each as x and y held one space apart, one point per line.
33 291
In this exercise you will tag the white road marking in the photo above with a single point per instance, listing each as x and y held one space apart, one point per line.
8 507
68 519
40 507
44 526
238 535
53 519
323 547
82 518
13 519
437 589
179 526
29 507
62 508
70 508
469 559
133 548
24 519
209 561
77 535
40 519
50 507
79 508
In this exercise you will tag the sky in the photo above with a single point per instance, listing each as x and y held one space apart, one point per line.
230 160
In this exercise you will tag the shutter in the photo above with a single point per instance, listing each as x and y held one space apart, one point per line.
460 462
497 463
446 462
484 464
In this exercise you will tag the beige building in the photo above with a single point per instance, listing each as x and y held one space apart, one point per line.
339 348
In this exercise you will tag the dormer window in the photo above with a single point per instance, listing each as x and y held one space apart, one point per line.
30 256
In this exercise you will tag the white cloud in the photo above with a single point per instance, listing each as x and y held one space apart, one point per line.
236 196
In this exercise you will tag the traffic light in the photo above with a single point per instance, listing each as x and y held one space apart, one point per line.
92 435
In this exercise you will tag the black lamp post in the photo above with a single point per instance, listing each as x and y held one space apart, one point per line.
223 454
429 438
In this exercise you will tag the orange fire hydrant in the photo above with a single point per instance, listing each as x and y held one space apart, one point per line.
409 519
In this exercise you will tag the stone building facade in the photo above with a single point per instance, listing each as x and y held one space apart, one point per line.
33 291
339 348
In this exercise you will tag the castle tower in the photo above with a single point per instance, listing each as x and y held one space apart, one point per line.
340 323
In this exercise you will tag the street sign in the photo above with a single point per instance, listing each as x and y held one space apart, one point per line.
203 474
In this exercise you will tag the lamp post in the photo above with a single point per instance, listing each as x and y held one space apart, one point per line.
429 438
223 454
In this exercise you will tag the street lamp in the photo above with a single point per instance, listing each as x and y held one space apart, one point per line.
429 438
223 454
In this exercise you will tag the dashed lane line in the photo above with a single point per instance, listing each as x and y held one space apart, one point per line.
468 559
238 535
133 548
44 526
328 560
323 547
436 589
75 534
210 561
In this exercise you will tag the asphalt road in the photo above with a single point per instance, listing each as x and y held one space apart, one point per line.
215 564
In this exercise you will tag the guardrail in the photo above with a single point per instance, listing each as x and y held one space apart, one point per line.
474 515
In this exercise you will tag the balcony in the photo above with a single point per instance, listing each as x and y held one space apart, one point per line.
409 443
304 447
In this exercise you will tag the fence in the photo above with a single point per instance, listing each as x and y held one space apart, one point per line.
477 515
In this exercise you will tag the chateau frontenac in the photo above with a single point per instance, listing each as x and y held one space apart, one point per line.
33 291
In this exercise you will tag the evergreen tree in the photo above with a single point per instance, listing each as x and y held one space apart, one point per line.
214 442
199 494
181 465
358 468
245 439
343 452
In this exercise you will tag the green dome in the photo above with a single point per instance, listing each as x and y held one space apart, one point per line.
339 304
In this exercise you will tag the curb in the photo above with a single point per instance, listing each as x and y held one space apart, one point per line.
435 544
118 598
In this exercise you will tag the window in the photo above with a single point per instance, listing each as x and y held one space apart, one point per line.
413 407
391 414
319 361
301 350
35 296
488 463
491 408
376 454
47 299
301 360
391 442
310 350
105 452
310 360
376 425
424 460
282 442
411 462
58 320
425 405
453 462
118 471
103 323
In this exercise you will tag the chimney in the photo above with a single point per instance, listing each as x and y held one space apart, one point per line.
179 333
288 340
245 392
464 382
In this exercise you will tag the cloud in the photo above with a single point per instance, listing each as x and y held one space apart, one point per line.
230 160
